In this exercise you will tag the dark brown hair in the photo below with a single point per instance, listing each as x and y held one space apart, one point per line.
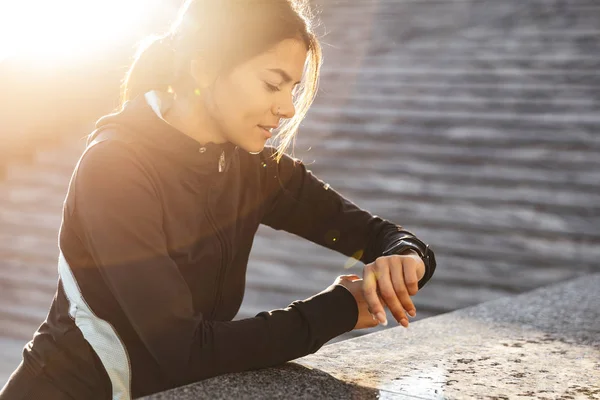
227 32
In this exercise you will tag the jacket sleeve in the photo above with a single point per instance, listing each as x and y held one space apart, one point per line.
300 203
121 222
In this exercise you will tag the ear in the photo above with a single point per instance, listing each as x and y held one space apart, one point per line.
203 73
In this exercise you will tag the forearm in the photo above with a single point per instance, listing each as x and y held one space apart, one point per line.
274 337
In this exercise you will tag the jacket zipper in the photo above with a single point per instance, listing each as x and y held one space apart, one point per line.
223 266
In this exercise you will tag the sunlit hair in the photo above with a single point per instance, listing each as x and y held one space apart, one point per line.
227 32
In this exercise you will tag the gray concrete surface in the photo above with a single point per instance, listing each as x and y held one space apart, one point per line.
544 344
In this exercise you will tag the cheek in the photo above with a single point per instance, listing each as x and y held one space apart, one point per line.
244 103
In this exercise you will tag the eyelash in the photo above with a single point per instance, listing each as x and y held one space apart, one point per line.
272 88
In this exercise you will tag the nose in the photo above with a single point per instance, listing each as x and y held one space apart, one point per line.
286 107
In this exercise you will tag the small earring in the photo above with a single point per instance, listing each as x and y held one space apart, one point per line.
278 113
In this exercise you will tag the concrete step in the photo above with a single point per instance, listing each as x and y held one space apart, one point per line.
30 244
46 221
536 253
20 321
26 194
498 175
21 289
496 76
405 86
339 93
51 176
404 186
537 158
375 134
465 102
322 113
491 218
386 4
503 45
11 357
483 32
39 282
475 60
34 262
481 220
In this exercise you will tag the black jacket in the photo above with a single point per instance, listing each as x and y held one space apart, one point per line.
157 240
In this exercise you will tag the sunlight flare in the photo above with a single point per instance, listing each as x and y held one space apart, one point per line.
68 29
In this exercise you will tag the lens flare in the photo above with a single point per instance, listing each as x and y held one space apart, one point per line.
70 29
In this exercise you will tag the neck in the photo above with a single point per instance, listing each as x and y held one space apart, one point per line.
192 119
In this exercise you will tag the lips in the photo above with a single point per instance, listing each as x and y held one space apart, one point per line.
266 130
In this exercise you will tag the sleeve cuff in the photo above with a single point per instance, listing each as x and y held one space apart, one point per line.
329 313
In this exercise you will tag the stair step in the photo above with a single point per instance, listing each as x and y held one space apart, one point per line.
20 322
31 280
460 76
30 244
20 291
485 219
476 60
464 102
324 113
14 219
429 72
499 175
28 194
375 134
533 91
34 175
436 192
533 157
11 350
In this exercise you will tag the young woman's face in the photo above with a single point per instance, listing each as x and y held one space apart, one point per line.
244 104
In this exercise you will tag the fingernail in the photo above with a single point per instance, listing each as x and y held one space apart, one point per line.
404 323
412 313
382 319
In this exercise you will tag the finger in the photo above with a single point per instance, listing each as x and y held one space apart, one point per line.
388 293
401 289
370 294
409 266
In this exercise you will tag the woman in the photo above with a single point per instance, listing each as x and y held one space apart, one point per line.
164 204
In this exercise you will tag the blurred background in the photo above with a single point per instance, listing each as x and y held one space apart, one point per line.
473 123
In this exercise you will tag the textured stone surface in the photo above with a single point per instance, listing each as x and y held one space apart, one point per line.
543 344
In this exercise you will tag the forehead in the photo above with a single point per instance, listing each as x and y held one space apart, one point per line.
288 55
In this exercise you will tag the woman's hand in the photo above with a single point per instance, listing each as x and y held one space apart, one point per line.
395 278
355 285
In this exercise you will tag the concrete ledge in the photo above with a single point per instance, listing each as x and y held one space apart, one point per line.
543 344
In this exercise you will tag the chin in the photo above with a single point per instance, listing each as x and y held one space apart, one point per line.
256 147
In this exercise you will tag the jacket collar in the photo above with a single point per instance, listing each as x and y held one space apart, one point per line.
210 155
143 117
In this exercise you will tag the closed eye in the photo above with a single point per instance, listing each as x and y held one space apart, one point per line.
271 88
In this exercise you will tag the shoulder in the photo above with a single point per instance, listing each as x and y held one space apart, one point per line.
107 155
108 169
114 162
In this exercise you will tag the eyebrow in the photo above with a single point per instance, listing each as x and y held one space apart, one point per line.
286 77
